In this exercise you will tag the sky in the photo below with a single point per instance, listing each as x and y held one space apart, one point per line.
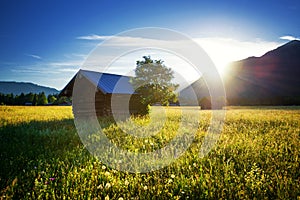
47 42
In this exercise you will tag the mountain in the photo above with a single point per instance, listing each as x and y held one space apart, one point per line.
194 92
272 79
7 87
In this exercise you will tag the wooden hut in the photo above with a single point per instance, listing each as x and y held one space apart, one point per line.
112 94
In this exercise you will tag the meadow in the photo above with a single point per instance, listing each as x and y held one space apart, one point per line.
256 157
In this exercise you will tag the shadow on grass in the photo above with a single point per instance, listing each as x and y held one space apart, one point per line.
25 146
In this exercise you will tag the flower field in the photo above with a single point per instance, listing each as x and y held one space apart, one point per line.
257 156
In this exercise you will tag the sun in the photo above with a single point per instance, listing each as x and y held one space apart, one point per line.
221 63
223 51
220 53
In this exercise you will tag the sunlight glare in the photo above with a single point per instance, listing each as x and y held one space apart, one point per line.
223 51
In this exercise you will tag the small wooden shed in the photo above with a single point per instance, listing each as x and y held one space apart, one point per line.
113 94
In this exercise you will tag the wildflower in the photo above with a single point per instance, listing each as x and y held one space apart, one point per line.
145 187
126 182
100 187
107 174
103 167
51 179
107 197
172 176
108 185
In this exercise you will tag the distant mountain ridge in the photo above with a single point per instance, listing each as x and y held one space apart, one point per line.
272 79
7 87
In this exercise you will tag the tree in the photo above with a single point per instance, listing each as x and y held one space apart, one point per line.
35 100
29 98
205 103
153 82
51 98
63 100
42 99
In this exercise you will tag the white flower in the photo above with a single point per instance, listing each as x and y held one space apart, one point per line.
100 187
172 176
107 185
126 182
103 167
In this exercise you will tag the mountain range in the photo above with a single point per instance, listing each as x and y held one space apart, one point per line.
7 87
272 79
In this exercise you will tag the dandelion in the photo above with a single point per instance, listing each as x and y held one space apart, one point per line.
107 185
126 182
100 187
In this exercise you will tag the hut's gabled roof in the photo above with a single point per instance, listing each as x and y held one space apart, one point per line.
106 83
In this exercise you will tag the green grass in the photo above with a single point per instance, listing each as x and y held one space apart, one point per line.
257 156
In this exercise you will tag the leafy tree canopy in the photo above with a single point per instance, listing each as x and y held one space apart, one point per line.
153 81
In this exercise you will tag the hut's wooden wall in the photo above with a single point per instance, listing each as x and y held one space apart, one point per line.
101 104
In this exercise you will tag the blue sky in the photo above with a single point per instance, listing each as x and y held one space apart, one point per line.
46 42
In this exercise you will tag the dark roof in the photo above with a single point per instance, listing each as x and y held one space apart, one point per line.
107 83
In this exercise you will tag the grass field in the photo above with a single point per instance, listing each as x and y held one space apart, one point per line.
257 156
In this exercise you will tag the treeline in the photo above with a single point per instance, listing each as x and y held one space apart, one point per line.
33 99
